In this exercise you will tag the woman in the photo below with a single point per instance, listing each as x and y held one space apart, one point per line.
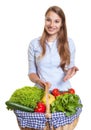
51 63
51 56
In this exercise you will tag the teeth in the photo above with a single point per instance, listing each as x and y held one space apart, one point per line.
51 29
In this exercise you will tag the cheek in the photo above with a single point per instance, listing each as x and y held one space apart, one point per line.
47 24
59 26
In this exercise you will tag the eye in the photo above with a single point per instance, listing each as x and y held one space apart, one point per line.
57 21
47 19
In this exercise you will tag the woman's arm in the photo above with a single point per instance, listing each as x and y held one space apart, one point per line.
33 76
71 68
35 79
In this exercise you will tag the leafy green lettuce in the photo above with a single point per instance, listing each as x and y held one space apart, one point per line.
67 103
27 96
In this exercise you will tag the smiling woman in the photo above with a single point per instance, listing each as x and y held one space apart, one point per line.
53 53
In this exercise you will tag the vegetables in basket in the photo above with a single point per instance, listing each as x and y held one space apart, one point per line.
66 103
12 105
51 98
26 96
41 107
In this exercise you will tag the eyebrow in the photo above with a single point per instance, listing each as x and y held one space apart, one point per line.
50 18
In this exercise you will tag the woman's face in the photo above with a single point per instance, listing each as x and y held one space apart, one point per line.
52 23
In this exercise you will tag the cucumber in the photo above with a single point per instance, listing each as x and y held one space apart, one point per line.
12 105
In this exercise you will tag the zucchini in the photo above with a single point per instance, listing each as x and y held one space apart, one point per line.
13 105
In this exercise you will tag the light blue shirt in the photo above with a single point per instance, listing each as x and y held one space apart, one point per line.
47 67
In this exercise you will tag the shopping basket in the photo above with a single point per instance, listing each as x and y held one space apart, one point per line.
47 121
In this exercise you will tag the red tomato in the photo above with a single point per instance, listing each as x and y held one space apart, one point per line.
71 90
56 92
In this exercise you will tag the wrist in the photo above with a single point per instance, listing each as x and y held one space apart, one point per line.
37 81
40 82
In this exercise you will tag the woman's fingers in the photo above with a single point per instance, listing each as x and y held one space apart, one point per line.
70 73
66 77
48 84
74 70
43 84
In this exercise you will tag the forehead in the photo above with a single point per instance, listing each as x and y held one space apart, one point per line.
52 15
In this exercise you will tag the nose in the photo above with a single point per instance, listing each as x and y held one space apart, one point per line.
51 23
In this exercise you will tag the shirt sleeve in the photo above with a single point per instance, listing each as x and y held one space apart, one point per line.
72 53
31 59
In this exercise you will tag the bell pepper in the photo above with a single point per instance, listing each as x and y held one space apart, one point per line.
41 107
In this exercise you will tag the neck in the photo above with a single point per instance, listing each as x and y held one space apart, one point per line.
51 38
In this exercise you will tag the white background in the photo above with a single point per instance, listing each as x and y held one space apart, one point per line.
23 20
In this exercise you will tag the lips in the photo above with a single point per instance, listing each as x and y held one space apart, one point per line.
51 29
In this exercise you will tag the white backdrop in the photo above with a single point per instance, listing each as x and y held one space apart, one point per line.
23 20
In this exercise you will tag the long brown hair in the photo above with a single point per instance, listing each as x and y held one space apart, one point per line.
63 47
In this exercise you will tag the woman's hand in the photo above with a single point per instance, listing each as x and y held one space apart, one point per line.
43 84
35 78
70 73
48 84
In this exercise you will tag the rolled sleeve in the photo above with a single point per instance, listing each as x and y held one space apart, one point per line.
31 59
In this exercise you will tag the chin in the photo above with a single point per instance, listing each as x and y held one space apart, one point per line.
51 33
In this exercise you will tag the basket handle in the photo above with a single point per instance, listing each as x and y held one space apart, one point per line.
48 114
